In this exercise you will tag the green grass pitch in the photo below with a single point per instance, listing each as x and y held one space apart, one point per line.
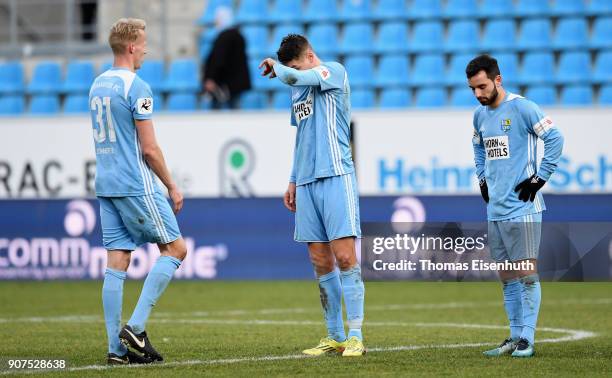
259 328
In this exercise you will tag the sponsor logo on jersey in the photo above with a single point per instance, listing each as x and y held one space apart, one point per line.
497 147
303 109
144 105
505 125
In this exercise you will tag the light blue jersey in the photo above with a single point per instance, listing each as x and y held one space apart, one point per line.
505 151
117 98
322 114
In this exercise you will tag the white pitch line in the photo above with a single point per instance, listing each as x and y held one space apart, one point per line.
271 311
571 335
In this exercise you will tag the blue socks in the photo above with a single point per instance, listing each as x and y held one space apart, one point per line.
112 300
514 307
531 296
331 301
155 284
354 291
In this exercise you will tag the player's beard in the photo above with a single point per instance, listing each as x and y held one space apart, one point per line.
491 99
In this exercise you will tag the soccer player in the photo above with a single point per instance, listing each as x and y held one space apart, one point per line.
322 188
132 208
506 129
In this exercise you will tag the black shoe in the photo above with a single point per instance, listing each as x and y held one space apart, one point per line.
128 358
140 342
522 344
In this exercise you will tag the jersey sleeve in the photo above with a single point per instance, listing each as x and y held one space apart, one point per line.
479 150
326 76
331 76
140 98
541 125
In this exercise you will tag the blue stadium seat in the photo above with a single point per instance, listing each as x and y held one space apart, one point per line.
535 34
430 98
256 38
44 104
182 102
509 67
568 8
579 95
499 35
427 36
602 73
462 36
206 41
286 11
542 94
391 10
428 70
208 17
462 97
357 38
571 33
496 8
321 10
79 77
538 67
531 8
460 9
12 105
324 38
11 78
605 95
152 71
280 31
360 70
602 33
183 76
362 98
252 12
47 78
456 71
356 10
392 37
257 81
392 71
281 99
395 98
425 9
599 7
253 100
76 103
574 67
513 89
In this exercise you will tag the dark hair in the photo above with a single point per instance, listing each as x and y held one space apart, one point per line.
292 46
485 63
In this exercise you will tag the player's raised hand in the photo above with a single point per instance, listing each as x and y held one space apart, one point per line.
289 198
268 66
177 198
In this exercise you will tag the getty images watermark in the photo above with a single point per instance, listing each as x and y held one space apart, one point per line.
460 251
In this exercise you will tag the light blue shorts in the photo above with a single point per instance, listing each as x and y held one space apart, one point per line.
128 222
327 209
515 239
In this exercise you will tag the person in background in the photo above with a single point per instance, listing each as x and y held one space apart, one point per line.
225 70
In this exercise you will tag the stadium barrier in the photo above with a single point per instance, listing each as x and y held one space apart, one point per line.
249 154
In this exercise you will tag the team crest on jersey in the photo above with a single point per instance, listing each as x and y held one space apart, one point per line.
144 105
505 125
303 109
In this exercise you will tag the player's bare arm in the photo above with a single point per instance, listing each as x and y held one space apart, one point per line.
153 155
289 198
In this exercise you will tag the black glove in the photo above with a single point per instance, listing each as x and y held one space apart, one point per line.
529 187
484 189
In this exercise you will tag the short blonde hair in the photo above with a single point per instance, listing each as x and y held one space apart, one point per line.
124 31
